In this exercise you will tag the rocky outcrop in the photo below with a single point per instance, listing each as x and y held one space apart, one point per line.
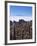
21 30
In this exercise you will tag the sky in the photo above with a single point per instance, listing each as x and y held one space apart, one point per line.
20 12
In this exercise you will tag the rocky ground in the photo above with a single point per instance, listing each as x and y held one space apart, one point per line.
20 30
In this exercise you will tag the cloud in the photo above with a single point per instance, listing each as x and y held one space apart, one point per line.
16 18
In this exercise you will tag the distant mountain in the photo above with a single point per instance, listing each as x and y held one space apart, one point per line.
21 20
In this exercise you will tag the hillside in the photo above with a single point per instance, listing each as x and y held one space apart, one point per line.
20 30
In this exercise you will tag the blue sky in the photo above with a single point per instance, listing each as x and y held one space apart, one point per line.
20 11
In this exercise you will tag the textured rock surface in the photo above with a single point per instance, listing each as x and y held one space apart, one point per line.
21 30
